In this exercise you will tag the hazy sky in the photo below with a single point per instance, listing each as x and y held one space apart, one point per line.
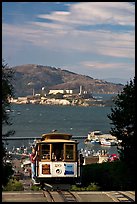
91 38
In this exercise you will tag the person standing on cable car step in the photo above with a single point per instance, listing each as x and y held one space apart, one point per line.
33 156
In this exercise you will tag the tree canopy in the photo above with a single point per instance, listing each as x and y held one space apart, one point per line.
7 92
123 122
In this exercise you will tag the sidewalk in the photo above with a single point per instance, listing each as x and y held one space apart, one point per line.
23 196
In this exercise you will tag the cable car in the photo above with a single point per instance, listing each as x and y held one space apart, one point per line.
57 158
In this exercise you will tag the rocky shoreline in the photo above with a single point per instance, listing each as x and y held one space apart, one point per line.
64 102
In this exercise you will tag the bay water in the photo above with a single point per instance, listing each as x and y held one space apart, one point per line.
33 120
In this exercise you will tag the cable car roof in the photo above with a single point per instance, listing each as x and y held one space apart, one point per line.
56 141
56 135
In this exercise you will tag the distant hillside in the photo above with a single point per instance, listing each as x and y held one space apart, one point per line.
31 76
117 80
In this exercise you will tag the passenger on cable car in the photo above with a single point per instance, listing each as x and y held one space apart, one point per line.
33 156
57 155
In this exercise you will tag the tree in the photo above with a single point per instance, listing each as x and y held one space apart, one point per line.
7 93
123 121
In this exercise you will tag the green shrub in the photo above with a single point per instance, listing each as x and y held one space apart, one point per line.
91 187
35 188
14 185
7 173
109 176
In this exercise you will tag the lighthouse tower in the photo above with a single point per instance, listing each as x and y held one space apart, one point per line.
80 90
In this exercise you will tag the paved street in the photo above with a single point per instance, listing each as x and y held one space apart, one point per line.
90 196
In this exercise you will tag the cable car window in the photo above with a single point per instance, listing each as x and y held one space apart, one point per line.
57 152
69 152
45 151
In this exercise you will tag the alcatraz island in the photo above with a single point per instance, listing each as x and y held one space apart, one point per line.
38 84
63 97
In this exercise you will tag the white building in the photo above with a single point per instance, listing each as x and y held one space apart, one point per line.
56 91
69 91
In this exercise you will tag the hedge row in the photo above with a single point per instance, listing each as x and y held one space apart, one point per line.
109 176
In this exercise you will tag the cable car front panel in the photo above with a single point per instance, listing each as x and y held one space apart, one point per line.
57 169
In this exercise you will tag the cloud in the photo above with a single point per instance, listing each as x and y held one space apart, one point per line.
104 42
93 13
102 69
100 42
62 33
104 65
109 69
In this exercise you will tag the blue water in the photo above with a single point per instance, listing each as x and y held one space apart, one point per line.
34 120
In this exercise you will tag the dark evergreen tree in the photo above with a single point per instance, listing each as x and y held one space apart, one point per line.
7 93
123 121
